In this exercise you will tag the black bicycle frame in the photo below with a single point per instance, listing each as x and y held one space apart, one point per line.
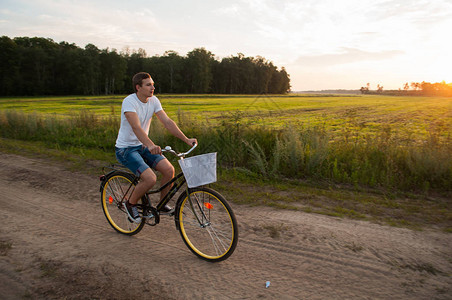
167 197
171 193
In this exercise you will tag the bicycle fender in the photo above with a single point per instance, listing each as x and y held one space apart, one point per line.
103 178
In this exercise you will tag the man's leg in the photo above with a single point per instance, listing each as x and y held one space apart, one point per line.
167 171
147 181
131 157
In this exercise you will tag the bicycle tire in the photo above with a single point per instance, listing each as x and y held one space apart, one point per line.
214 237
114 189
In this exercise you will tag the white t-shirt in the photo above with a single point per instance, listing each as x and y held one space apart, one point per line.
145 111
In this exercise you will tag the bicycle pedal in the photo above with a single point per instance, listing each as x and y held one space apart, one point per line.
167 213
166 210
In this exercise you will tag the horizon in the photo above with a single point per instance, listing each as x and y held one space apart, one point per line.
323 45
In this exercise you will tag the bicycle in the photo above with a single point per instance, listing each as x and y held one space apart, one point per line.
202 215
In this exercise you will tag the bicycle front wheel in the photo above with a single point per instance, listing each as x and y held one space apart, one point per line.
116 189
207 224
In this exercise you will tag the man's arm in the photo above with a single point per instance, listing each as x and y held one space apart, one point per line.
171 126
134 122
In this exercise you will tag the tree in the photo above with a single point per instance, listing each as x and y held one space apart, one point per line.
113 70
263 75
36 65
379 89
172 65
198 70
91 84
68 69
240 74
280 83
406 87
8 66
416 85
366 89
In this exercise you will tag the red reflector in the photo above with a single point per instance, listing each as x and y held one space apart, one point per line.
110 199
208 205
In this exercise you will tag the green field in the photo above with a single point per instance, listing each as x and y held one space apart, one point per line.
316 153
411 117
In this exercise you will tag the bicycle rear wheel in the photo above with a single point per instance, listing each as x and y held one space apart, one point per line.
116 189
207 224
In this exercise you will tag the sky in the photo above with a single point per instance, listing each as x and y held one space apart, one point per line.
323 44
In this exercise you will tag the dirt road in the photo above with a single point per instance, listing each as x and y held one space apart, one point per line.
56 243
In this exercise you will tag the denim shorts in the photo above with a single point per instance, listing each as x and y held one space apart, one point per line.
137 158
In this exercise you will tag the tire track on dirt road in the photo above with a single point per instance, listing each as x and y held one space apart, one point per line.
53 217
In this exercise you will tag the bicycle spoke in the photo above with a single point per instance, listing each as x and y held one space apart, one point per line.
215 238
192 217
219 233
117 191
114 191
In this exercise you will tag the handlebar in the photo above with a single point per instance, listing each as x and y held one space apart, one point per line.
182 154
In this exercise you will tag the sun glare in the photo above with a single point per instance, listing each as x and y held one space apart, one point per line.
440 71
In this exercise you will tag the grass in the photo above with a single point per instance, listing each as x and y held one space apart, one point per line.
354 247
422 267
49 268
275 230
5 247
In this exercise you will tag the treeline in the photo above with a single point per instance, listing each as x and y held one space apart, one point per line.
427 88
40 66
414 89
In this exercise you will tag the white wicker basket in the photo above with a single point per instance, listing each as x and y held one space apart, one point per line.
200 169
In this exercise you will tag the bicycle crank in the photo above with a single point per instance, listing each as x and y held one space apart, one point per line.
151 216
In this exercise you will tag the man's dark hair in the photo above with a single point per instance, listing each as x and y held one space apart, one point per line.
138 79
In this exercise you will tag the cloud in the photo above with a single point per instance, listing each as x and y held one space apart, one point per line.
227 10
103 23
347 56
418 12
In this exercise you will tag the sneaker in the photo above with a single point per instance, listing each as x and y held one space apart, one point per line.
167 209
132 212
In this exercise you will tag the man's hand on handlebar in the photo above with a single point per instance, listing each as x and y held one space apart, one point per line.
155 149
192 142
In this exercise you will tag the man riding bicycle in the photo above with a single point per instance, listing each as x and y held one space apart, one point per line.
136 150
